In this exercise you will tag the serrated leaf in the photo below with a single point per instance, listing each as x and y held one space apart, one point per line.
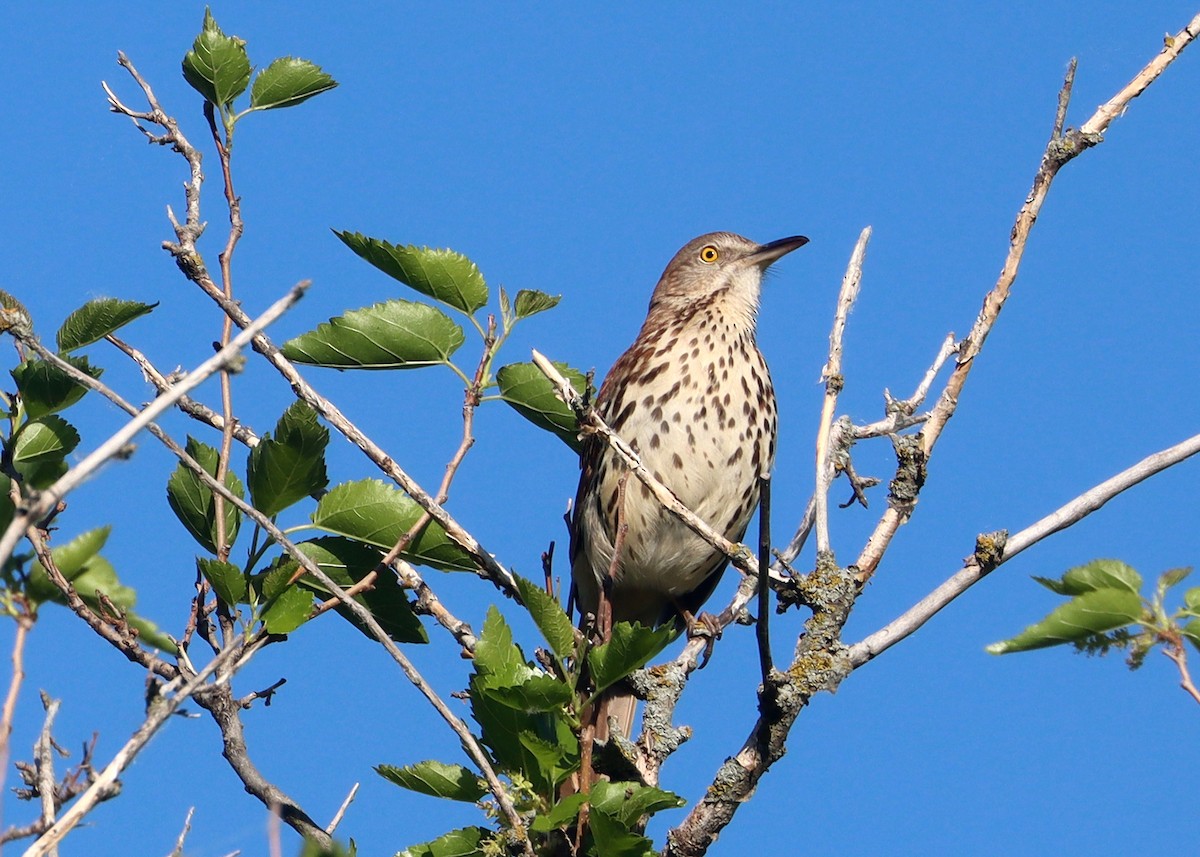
346 562
530 393
615 839
548 615
45 388
96 319
530 302
540 745
226 579
395 334
1086 615
630 648
288 610
378 514
40 449
1100 574
217 65
289 466
535 693
288 81
629 801
436 779
1191 599
194 502
74 555
496 655
464 842
442 274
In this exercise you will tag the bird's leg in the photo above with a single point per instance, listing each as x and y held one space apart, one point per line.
706 625
604 616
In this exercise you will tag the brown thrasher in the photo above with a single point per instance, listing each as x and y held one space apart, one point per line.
693 397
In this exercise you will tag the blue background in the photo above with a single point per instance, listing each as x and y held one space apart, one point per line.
573 149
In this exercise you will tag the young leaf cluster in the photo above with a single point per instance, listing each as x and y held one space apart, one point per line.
218 67
406 334
1107 609
529 714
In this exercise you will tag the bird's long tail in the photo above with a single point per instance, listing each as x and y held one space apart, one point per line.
617 705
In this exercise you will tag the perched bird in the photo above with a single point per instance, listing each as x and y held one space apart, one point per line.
692 395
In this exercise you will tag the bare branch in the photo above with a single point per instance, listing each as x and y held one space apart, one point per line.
340 814
188 405
834 381
975 568
1178 655
177 851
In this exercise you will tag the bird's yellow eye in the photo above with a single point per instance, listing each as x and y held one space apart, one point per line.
709 254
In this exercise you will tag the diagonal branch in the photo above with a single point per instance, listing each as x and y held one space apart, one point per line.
41 505
980 565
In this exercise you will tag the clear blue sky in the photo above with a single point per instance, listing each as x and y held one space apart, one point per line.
573 149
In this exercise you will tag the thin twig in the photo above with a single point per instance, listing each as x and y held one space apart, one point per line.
341 813
834 381
177 851
1176 652
187 404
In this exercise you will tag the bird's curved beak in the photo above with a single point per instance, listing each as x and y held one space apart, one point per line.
768 253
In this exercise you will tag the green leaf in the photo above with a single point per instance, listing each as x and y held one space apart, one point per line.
536 693
226 579
530 393
288 611
464 842
1173 577
628 802
1191 599
346 562
530 302
615 839
7 508
40 449
1191 631
1084 616
288 81
378 514
395 334
443 275
1097 574
436 779
45 388
75 554
554 624
96 319
630 648
290 466
194 502
496 655
217 65
560 815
